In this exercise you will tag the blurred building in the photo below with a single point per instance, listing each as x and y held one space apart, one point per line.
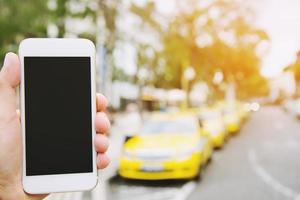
283 86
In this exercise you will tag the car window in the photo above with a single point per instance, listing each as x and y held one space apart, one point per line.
209 116
178 126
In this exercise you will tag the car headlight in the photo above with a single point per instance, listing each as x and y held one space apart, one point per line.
184 155
129 154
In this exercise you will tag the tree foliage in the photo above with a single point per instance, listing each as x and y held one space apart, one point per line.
21 19
295 68
215 38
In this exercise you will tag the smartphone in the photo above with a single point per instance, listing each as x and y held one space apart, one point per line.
58 108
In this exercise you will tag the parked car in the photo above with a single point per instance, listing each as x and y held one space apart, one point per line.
169 146
212 124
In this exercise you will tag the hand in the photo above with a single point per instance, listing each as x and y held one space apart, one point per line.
11 138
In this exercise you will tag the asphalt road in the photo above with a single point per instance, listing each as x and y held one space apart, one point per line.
260 162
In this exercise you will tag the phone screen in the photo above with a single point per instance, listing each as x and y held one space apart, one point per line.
58 115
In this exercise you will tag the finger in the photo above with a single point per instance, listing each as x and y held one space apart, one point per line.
9 79
102 123
101 102
101 143
10 73
102 161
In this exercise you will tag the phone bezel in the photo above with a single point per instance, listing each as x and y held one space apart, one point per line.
58 48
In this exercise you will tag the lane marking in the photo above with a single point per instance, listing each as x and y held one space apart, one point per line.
185 190
269 179
150 193
65 196
145 193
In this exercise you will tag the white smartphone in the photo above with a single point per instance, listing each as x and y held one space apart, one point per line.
58 108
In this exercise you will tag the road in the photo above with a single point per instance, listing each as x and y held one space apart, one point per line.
260 162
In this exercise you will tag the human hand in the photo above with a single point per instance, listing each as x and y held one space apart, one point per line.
11 138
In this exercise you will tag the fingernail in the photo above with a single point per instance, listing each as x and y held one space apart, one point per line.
6 59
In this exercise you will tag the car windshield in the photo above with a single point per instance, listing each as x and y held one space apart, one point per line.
181 126
209 116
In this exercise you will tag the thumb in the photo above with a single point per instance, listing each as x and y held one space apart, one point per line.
9 80
10 73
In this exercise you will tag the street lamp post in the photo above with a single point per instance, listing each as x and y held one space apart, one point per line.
188 75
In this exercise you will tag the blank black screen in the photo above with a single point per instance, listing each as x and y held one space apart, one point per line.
58 127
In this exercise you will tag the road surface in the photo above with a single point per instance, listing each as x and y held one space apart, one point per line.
261 162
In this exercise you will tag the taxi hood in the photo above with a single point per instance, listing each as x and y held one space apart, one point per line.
163 141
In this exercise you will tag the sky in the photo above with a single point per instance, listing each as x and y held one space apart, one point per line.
279 18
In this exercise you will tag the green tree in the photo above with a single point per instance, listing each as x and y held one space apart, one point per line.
19 20
217 37
59 16
30 18
107 15
63 11
295 69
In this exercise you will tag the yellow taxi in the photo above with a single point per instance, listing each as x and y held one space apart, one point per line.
243 111
169 146
213 126
232 119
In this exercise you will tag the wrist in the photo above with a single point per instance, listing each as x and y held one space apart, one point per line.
11 193
15 191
